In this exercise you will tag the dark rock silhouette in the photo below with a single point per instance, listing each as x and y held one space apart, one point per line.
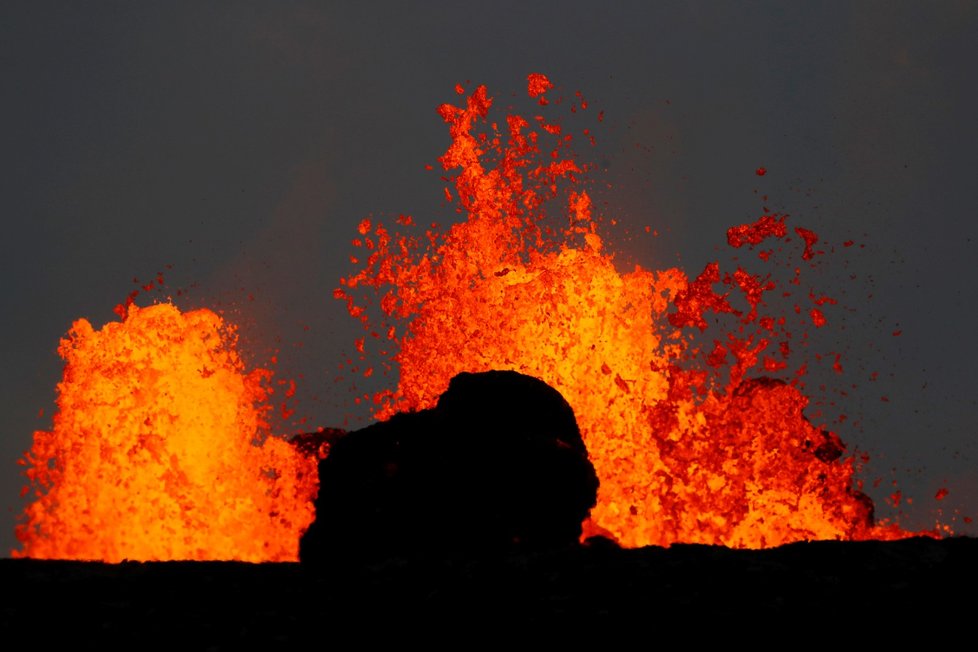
497 465
873 587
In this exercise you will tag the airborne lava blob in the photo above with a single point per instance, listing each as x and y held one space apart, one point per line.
691 442
160 450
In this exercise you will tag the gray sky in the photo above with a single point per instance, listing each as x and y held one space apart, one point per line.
240 143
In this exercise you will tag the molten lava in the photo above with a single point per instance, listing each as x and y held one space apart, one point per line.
160 447
692 443
160 450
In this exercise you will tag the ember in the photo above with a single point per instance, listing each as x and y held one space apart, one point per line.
689 442
160 450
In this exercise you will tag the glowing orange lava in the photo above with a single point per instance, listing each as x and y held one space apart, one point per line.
160 447
160 450
691 443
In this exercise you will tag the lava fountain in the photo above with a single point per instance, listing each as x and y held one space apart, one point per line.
160 450
692 442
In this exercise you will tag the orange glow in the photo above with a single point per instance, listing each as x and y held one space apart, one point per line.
160 450
691 442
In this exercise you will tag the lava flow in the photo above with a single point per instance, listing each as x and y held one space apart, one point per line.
691 443
160 450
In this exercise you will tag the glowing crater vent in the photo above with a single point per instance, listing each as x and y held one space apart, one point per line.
160 450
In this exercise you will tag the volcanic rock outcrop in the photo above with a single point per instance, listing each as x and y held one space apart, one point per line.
498 464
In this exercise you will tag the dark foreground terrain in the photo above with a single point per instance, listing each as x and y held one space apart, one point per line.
590 591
